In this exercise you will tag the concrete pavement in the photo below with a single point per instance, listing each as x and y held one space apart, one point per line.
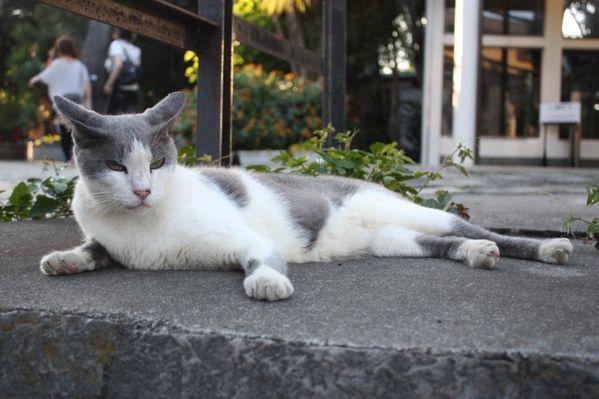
376 328
409 328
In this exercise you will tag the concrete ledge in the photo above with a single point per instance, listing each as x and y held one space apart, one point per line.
409 328
50 355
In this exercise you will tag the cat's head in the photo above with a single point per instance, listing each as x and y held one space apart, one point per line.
125 161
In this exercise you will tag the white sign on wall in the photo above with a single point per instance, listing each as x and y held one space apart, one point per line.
566 112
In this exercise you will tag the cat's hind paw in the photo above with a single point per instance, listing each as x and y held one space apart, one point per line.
482 254
65 262
267 284
555 251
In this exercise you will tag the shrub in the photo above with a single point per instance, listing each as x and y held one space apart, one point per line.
592 225
272 110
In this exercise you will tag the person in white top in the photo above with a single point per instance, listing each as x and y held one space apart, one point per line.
124 67
67 76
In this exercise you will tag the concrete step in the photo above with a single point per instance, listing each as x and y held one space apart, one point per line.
375 328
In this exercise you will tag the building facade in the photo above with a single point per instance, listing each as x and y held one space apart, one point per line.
490 64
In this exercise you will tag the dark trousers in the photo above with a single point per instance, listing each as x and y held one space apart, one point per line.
66 141
122 102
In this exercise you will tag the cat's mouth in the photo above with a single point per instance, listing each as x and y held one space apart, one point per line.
141 205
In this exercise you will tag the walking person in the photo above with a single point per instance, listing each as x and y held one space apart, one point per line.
67 76
124 67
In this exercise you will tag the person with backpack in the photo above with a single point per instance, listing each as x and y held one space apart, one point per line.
123 65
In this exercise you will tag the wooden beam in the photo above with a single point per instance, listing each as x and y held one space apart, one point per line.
272 44
157 19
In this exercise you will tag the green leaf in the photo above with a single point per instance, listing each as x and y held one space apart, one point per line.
20 196
592 194
259 168
42 206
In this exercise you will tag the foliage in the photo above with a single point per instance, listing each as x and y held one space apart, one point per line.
253 12
270 110
384 164
40 199
28 30
592 225
279 6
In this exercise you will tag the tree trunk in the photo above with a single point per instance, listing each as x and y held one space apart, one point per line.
94 52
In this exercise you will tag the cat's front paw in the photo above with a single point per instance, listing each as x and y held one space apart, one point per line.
267 284
555 251
64 262
482 254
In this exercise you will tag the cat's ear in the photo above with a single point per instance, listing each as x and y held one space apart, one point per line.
79 116
166 111
87 125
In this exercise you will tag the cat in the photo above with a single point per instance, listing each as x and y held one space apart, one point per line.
138 208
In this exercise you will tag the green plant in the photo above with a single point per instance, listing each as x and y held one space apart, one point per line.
38 198
384 164
592 225
271 110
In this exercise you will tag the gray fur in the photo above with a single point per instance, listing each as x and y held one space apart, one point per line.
99 254
229 183
274 260
440 247
100 138
309 198
513 247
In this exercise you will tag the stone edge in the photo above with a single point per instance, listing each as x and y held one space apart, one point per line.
73 355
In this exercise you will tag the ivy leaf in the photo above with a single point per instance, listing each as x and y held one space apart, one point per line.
42 206
259 168
20 196
592 194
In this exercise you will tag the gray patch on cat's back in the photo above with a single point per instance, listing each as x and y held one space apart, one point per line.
229 183
308 199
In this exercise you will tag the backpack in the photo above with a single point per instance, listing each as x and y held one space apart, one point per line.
130 73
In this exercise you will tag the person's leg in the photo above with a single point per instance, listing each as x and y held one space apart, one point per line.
66 141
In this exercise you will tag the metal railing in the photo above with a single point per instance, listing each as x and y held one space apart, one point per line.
210 32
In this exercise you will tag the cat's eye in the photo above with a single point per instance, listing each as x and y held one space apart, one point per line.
116 166
157 164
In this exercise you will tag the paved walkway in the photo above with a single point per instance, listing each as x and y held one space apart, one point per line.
376 328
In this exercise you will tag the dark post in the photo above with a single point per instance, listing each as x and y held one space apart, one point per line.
334 16
214 81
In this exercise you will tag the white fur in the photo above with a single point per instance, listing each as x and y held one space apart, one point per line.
555 251
67 262
478 253
269 284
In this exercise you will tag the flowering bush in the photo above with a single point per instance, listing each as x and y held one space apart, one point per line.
272 110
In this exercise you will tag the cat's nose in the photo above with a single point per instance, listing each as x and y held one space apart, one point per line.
143 194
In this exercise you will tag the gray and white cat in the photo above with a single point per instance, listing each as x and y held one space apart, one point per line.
138 208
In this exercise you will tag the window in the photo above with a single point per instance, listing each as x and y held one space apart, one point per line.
505 17
581 80
580 19
510 92
513 17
